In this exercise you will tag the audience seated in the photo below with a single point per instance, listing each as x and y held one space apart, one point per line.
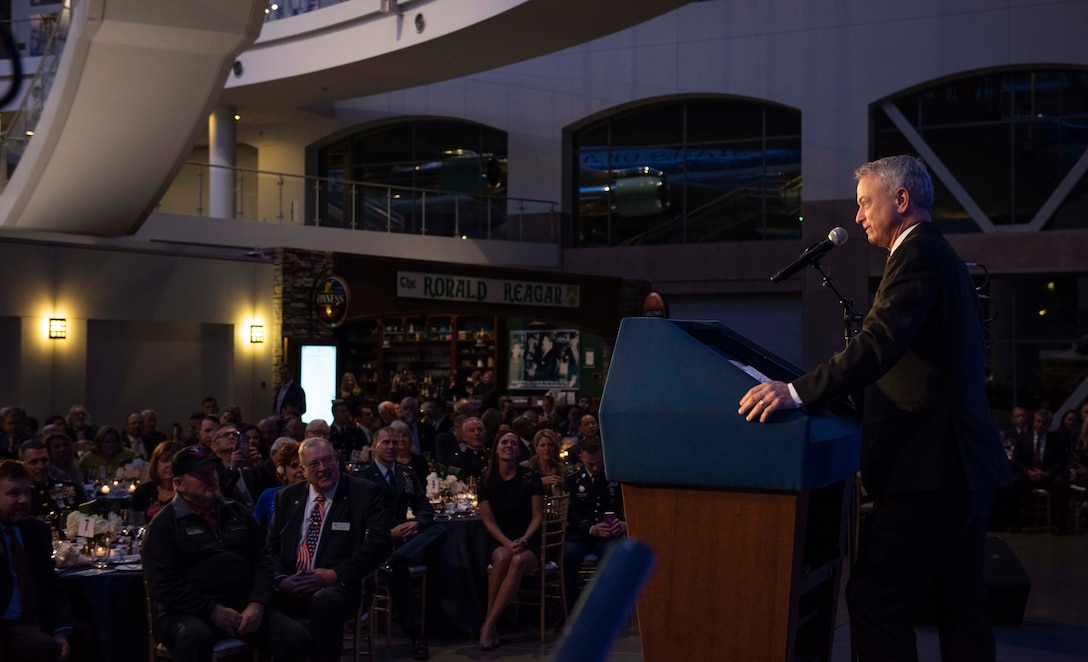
449 443
238 466
405 456
1078 465
420 434
415 541
15 431
588 428
208 571
106 456
525 428
62 453
80 429
545 462
326 535
511 503
346 437
594 518
473 458
153 495
288 468
52 495
1041 462
35 620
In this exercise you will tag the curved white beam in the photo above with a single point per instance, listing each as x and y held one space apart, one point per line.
133 89
354 49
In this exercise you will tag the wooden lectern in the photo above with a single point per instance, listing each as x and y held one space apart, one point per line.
747 519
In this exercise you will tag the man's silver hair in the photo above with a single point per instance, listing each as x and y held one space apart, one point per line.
901 172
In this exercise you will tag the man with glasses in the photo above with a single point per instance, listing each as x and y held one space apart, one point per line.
237 478
208 571
326 535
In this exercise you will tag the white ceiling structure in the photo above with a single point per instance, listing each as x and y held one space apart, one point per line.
137 81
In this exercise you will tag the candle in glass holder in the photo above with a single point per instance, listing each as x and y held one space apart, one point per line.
105 489
131 487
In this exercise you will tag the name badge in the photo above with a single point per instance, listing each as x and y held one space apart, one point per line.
341 526
194 530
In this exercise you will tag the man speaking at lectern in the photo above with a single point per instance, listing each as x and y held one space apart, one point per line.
931 455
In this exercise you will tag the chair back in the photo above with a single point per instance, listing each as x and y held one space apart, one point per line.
554 528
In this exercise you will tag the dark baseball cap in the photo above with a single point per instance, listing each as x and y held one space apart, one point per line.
189 458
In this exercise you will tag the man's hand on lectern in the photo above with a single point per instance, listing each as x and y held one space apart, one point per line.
764 399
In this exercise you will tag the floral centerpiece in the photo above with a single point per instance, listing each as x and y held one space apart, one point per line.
106 528
445 482
449 493
135 472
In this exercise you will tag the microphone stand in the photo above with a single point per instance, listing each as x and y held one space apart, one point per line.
852 323
850 318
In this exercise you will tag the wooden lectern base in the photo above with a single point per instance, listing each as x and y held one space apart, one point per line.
740 575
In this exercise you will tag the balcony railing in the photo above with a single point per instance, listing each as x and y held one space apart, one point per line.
42 36
271 197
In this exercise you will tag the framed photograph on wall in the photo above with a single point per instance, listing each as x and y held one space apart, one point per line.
541 360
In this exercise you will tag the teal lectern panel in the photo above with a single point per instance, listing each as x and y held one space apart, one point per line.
669 415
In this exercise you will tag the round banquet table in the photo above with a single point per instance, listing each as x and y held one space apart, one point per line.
111 603
458 587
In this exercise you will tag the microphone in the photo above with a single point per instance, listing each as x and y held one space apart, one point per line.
836 237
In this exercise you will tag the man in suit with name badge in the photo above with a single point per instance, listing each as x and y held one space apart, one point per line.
34 616
931 455
416 539
328 533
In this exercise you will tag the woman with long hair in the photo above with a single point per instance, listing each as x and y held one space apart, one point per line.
511 501
405 456
545 462
152 496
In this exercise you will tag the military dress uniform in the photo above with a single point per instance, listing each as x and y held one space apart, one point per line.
590 498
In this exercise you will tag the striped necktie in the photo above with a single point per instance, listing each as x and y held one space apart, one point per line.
27 590
308 548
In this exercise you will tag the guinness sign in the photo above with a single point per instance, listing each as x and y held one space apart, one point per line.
331 299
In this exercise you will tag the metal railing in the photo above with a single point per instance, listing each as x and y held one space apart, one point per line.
272 197
45 36
280 9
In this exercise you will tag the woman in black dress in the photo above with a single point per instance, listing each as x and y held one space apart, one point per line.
511 500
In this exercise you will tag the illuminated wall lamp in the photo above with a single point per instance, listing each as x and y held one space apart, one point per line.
256 333
58 328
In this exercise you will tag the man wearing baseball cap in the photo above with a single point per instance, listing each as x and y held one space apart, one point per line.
208 571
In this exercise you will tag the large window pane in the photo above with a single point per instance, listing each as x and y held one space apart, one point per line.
456 162
1009 138
732 174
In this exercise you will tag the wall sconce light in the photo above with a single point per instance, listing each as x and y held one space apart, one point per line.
58 328
256 333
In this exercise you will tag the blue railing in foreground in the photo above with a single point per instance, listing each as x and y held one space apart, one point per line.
600 615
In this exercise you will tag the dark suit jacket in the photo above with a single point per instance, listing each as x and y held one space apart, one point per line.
344 441
1055 458
295 396
927 424
407 490
445 446
53 609
354 539
426 438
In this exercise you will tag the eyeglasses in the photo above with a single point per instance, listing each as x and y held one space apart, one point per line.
327 461
234 434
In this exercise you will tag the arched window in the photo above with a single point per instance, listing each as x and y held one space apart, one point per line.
1007 148
691 170
453 170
